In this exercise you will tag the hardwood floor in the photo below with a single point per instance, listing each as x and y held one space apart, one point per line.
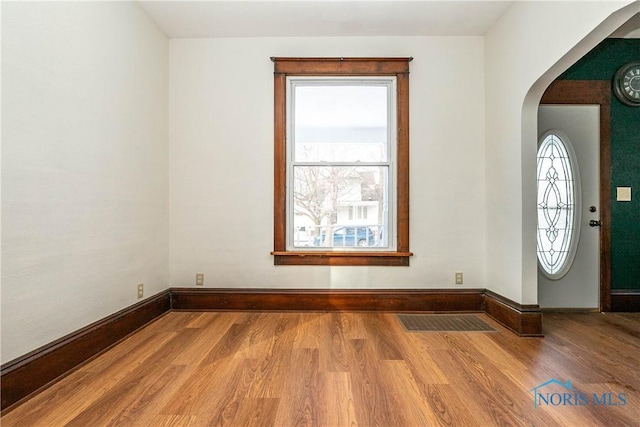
348 369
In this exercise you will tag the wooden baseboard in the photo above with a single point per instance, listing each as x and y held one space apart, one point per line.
524 320
569 310
28 374
437 300
32 372
625 301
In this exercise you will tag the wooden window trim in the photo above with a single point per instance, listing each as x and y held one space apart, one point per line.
398 67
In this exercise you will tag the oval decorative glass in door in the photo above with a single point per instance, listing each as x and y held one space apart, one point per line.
558 204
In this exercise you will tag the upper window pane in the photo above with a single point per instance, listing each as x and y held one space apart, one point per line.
341 121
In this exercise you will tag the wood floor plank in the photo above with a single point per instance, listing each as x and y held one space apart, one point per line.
109 384
213 328
310 327
416 355
118 408
378 332
496 386
494 377
446 405
514 368
65 396
117 362
174 321
614 396
119 395
611 353
260 338
348 369
302 391
228 344
405 395
336 406
202 320
219 406
352 326
152 396
372 406
173 421
273 365
333 356
206 382
257 413
479 400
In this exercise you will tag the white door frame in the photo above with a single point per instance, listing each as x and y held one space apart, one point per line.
594 92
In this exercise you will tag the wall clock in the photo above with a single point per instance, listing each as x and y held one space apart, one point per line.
626 84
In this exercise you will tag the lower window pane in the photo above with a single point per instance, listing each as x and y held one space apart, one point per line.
340 207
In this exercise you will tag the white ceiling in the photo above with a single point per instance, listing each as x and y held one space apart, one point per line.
269 18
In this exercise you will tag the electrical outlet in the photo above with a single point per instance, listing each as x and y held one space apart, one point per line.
200 279
140 290
459 280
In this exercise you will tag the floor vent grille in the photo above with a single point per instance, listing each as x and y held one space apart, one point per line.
443 323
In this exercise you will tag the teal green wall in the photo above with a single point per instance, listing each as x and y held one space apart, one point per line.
601 64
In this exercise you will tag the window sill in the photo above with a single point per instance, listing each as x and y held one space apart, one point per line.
391 259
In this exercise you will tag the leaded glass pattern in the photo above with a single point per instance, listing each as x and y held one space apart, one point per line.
557 205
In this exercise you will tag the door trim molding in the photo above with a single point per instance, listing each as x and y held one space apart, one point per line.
594 92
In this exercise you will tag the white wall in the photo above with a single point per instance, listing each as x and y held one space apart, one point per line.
222 162
86 180
84 166
531 44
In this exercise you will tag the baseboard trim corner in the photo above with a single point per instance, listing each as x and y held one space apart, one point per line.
28 374
524 320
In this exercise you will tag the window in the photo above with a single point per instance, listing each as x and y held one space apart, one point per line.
340 146
360 212
558 204
341 161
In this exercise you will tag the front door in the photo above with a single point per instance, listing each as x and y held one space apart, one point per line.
579 287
